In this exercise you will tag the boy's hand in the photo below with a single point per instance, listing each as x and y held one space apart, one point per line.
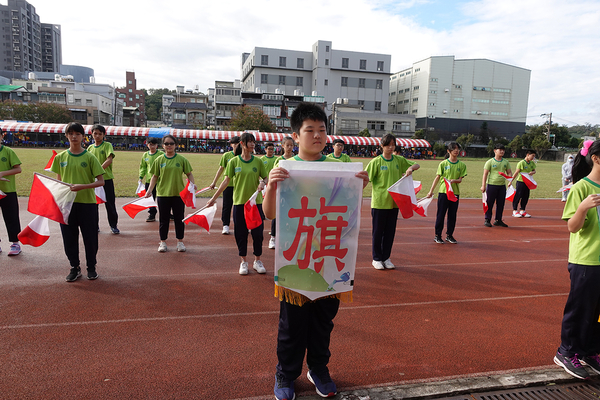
364 175
3 179
278 174
593 200
408 172
76 187
483 189
430 194
210 203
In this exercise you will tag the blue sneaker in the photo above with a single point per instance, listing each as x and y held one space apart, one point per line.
284 389
323 383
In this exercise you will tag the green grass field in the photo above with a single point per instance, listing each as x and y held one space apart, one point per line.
126 165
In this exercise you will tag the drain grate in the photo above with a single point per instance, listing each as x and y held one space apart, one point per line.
568 391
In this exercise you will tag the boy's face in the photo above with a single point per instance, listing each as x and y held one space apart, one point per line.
97 135
499 153
312 137
74 137
529 157
152 146
288 146
338 148
270 151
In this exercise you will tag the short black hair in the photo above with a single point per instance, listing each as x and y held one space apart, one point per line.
234 140
152 140
169 136
306 111
336 141
269 144
74 127
531 152
499 146
99 127
388 139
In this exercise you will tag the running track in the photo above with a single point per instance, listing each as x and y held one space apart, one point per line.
187 326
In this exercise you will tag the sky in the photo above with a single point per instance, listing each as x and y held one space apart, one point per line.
196 42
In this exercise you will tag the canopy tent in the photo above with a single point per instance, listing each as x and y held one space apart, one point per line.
197 134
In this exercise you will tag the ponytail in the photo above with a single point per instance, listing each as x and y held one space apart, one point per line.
582 166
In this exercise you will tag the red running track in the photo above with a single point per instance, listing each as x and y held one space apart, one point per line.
186 325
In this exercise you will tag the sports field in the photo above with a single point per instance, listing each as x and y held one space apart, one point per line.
126 166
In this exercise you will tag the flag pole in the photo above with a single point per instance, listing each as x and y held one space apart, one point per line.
194 213
133 201
52 179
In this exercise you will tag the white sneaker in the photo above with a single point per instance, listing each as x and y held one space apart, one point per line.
180 247
225 230
524 214
259 267
388 264
517 214
378 265
272 243
162 247
243 268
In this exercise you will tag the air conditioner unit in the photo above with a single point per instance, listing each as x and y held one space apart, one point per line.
446 90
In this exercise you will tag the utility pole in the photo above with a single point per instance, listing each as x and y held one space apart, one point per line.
549 122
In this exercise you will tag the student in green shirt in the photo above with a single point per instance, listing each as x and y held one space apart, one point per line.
494 185
83 171
580 330
269 161
522 192
338 148
385 170
228 192
104 152
145 165
10 165
287 144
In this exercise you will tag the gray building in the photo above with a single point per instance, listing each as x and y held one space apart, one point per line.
349 120
227 97
359 78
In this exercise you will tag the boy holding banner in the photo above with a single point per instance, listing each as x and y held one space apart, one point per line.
304 325
83 172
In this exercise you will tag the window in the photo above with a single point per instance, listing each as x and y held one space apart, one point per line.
406 90
378 84
361 82
282 61
502 90
433 80
377 106
458 99
363 64
326 49
433 91
376 125
264 60
432 104
406 101
457 86
88 102
327 61
500 102
137 96
130 82
344 81
480 101
299 81
401 126
416 88
456 111
130 90
326 82
482 88
416 99
264 78
349 124
379 65
417 69
282 79
345 62
415 111
361 103
300 63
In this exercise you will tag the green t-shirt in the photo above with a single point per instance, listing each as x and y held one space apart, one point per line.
146 164
344 157
102 152
8 160
82 168
526 167
449 170
223 163
495 166
245 175
584 245
169 172
269 162
383 174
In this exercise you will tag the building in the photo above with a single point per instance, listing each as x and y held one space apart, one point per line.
27 45
349 120
134 100
227 97
185 109
455 97
359 78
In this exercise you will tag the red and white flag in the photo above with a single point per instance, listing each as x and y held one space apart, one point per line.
2 194
251 213
510 193
449 191
203 218
100 194
49 165
403 193
36 233
134 207
188 195
418 186
505 175
565 188
529 181
422 206
50 198
141 189
484 200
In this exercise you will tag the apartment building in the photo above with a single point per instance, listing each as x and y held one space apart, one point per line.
227 97
134 100
185 109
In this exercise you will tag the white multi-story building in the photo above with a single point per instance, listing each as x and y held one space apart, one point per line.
456 96
361 78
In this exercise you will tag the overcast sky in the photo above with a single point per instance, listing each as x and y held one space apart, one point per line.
195 42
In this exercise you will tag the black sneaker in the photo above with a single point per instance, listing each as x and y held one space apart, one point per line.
450 239
92 274
499 222
115 230
593 362
487 223
571 365
74 274
284 389
150 219
438 239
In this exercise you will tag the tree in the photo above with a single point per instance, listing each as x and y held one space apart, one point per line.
540 145
439 149
465 140
251 118
490 147
364 133
515 144
48 113
420 134
153 103
484 132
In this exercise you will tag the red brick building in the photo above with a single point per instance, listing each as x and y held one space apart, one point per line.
134 100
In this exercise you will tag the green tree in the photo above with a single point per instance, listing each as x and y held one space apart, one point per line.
251 118
364 133
48 113
540 145
515 144
153 103
484 132
439 149
420 134
490 147
465 140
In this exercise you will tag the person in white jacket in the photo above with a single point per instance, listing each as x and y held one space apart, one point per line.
566 175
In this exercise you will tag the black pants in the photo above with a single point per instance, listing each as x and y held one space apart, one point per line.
241 231
522 195
384 231
580 330
495 194
451 207
273 227
166 206
84 218
111 207
227 205
305 329
10 213
152 210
